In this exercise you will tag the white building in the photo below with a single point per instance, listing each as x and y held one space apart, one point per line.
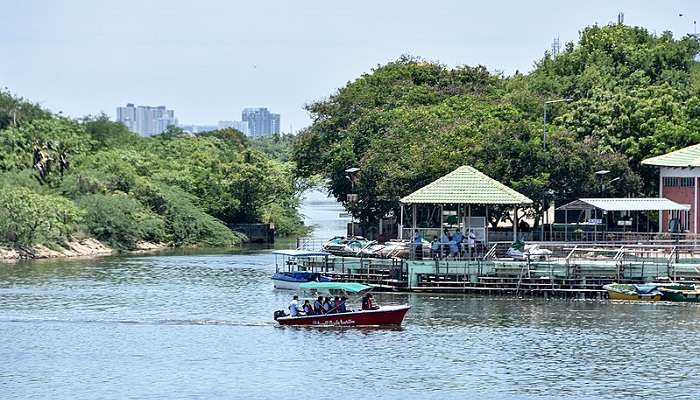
241 126
146 120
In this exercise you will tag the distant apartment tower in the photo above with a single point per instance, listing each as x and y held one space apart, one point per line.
241 126
261 122
146 120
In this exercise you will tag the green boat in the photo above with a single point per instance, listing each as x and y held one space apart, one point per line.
686 296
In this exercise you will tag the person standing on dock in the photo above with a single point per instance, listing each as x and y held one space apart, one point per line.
418 245
445 242
471 242
435 248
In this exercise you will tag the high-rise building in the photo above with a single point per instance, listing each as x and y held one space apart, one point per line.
241 126
261 122
146 120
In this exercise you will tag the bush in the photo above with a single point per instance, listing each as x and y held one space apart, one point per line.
120 220
28 218
185 224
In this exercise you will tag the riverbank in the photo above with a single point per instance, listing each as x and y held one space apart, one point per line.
75 248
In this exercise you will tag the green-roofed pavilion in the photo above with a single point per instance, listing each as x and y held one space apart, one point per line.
466 185
463 188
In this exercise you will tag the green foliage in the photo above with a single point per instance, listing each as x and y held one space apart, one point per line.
120 220
28 218
634 95
278 147
172 188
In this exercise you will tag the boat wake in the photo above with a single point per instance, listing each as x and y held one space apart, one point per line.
138 321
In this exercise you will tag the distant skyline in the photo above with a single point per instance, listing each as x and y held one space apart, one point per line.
210 59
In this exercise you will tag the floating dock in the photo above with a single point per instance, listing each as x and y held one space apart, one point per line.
572 271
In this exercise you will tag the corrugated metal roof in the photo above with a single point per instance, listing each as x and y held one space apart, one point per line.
465 185
625 204
686 157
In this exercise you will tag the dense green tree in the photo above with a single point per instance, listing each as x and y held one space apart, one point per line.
633 95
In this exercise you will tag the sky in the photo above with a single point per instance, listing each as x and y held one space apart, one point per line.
209 59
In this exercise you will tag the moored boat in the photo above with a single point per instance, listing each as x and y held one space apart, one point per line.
287 276
619 291
679 295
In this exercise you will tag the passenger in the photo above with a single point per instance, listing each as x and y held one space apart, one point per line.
308 309
294 306
435 248
327 305
342 308
368 302
318 306
336 304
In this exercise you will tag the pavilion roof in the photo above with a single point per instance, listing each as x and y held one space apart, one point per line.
466 185
685 157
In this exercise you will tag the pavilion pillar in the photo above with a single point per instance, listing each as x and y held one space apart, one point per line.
566 224
486 227
515 224
414 217
469 219
442 217
401 224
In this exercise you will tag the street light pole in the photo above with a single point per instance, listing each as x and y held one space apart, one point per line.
544 146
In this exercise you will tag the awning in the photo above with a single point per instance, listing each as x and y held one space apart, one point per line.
625 204
466 185
349 287
300 253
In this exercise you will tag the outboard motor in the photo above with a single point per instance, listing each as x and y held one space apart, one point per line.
279 314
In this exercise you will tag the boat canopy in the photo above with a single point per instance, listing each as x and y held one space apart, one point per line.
349 287
300 253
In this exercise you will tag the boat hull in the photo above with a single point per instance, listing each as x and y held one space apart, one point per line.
613 295
386 315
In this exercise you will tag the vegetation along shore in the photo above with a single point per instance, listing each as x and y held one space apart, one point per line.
64 181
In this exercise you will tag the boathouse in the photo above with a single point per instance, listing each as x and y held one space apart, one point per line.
679 172
467 193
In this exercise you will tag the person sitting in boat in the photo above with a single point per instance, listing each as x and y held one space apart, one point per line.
294 307
327 306
336 304
318 306
308 309
435 248
342 307
368 302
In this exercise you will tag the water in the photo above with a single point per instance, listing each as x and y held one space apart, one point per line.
198 325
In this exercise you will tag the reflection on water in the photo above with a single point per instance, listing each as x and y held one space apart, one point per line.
199 325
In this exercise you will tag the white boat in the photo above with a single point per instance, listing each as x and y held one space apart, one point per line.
288 277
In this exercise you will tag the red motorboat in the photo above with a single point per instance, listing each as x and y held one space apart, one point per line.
385 315
380 316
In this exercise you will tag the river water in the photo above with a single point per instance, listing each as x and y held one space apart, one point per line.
199 325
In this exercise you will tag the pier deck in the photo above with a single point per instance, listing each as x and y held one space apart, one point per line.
571 272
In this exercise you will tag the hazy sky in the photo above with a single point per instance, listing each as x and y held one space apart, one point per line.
209 59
